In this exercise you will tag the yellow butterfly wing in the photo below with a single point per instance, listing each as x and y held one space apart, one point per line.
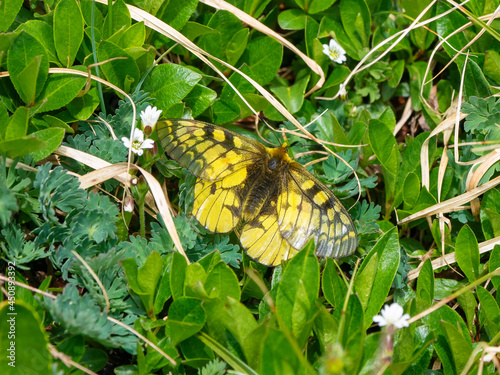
208 151
308 209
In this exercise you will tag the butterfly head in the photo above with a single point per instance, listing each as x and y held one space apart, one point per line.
278 157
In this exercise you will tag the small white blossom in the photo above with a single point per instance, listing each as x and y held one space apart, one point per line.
342 91
138 143
334 51
392 315
150 116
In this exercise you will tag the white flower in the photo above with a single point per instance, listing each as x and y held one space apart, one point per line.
392 315
334 51
150 116
342 91
138 143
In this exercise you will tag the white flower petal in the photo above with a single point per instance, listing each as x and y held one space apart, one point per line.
150 116
148 143
392 315
138 135
126 142
334 51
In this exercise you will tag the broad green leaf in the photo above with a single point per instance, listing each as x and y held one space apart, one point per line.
21 146
357 21
364 281
18 124
178 275
292 96
199 99
82 107
222 282
236 46
334 288
490 311
388 253
316 6
475 83
26 52
468 303
52 138
4 121
278 355
176 12
425 282
170 83
385 148
68 31
397 72
225 111
123 71
351 328
163 292
44 33
26 352
292 19
492 65
59 90
55 122
420 36
411 190
467 253
417 71
460 348
325 329
8 11
133 36
494 263
186 317
118 19
263 55
297 293
449 24
196 353
442 345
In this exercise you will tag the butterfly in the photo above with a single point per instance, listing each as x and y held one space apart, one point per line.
274 204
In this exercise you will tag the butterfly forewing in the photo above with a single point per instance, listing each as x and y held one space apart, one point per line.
275 204
208 151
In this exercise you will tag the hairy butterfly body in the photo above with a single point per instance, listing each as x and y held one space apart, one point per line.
275 204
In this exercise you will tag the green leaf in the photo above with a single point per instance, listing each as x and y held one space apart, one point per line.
467 253
316 6
59 91
18 124
460 348
68 31
21 146
492 65
279 356
357 21
425 283
411 190
263 55
494 263
334 288
475 84
384 146
55 122
170 83
292 19
24 345
236 363
222 282
52 138
387 251
82 107
490 311
468 303
44 33
116 20
25 54
144 280
186 317
292 96
120 69
179 264
199 99
297 293
236 46
8 11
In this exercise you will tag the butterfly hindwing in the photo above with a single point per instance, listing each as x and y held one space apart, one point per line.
208 151
307 209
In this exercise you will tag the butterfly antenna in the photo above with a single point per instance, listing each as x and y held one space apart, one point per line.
272 131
